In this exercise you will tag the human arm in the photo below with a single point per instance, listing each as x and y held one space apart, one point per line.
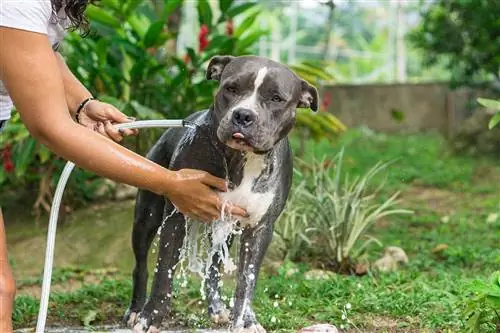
30 72
96 115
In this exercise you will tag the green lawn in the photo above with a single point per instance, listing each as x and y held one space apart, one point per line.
456 202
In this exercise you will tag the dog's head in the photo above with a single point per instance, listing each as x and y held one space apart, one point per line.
256 101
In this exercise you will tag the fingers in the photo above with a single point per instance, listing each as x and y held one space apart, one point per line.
218 183
235 210
112 132
99 128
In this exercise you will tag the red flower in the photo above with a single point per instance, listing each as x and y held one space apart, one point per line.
8 166
229 28
202 38
326 101
7 161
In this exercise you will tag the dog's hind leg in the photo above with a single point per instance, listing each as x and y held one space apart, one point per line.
147 220
216 308
160 300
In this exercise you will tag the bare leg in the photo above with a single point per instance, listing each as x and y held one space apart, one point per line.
7 283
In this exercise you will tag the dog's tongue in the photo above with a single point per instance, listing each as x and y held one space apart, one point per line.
238 135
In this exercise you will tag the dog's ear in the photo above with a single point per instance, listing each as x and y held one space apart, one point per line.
216 66
308 97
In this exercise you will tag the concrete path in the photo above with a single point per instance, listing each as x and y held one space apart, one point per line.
112 329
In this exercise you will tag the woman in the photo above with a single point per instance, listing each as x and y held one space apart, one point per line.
62 114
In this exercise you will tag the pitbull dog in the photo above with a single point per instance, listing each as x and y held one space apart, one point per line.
242 138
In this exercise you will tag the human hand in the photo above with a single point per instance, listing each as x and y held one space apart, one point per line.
100 117
189 190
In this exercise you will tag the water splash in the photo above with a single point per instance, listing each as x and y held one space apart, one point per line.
204 241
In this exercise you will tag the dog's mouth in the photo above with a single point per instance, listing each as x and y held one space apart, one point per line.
239 142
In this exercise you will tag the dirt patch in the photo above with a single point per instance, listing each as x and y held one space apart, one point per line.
379 324
439 200
70 285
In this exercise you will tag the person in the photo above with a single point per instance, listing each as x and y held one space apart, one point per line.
61 113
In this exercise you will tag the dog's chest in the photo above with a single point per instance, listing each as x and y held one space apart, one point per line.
255 203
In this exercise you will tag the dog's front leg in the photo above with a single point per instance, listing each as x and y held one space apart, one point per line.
216 308
254 243
159 304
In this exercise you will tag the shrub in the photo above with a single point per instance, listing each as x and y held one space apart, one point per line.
332 213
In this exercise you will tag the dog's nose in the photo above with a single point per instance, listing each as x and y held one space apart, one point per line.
244 117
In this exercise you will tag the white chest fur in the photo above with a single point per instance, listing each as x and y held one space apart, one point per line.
256 204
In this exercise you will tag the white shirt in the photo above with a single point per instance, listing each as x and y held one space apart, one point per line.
34 16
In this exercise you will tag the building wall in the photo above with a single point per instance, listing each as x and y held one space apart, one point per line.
424 107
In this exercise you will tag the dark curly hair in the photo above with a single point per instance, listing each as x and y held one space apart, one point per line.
75 12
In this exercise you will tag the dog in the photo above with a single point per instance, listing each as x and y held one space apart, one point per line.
242 137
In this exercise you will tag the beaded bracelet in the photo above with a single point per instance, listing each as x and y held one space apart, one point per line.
81 106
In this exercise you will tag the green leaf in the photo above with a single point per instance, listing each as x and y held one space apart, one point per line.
115 4
140 24
24 156
96 14
489 103
250 40
312 71
169 7
131 6
224 5
44 154
494 121
152 36
397 115
235 11
204 12
246 24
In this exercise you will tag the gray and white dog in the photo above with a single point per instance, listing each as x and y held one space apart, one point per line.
242 138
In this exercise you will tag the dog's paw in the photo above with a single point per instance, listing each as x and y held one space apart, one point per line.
220 318
255 328
143 326
129 319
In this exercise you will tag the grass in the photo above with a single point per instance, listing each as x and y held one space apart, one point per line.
451 239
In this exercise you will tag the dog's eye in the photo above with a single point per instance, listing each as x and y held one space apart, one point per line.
276 99
231 89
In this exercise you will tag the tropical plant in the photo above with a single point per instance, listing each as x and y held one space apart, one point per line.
482 310
292 229
125 60
340 210
494 105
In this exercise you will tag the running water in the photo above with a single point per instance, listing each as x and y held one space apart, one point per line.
203 241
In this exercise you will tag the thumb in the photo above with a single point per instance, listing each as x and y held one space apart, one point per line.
116 115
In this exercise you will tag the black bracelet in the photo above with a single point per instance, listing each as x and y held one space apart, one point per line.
81 106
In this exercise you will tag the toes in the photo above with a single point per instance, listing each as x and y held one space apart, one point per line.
141 326
131 319
221 318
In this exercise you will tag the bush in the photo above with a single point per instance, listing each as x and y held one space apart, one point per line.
125 61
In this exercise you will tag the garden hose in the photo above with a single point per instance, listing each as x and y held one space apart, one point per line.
54 214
